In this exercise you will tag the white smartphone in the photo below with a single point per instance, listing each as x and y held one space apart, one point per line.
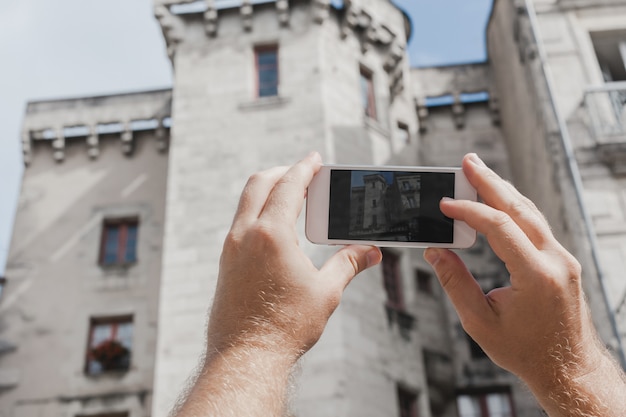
387 206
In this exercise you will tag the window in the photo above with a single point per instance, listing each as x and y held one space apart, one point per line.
494 404
424 282
403 132
110 345
374 202
368 99
266 60
119 242
3 282
392 280
407 403
610 48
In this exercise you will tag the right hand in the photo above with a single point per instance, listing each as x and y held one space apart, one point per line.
540 327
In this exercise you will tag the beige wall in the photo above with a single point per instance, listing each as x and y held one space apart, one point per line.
55 284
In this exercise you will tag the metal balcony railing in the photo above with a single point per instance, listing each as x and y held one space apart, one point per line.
606 105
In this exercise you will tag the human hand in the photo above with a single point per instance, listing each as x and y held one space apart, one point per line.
539 328
269 294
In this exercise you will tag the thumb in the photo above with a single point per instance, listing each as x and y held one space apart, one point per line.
350 261
464 292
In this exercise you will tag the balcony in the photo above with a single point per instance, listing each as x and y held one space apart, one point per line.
606 106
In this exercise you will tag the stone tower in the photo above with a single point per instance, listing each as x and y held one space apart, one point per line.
258 85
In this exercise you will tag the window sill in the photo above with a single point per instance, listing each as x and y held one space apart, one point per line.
264 103
117 267
113 373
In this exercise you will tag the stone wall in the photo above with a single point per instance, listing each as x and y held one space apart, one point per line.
55 283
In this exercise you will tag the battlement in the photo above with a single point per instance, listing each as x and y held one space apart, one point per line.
375 24
117 116
454 86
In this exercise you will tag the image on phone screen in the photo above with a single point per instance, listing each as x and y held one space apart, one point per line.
399 206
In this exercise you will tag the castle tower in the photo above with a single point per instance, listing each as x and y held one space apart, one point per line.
259 85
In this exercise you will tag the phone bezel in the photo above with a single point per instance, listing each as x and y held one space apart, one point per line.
317 207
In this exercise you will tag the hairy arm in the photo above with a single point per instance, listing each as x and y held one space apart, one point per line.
539 327
271 303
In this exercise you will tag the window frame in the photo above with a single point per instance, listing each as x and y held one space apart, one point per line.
392 280
405 397
403 127
421 277
259 49
115 322
482 394
122 244
366 76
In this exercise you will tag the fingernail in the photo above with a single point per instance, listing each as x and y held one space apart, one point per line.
447 199
314 155
431 255
373 257
476 160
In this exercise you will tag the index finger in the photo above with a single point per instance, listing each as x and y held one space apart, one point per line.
503 196
505 237
287 197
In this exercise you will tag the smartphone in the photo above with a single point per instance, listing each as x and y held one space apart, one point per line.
386 206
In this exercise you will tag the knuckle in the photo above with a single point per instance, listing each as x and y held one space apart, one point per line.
262 232
500 219
448 280
573 267
256 177
354 263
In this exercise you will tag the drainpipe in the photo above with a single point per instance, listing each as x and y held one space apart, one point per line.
576 177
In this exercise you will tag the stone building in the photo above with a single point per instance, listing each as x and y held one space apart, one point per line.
126 200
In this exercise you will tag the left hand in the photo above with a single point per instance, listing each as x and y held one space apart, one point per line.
269 294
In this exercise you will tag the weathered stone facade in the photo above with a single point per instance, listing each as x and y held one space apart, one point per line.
57 287
93 159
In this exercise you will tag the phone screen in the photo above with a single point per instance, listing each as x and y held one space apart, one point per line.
401 206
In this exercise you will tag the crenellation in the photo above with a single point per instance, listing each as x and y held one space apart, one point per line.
58 146
246 15
321 10
282 8
172 28
458 112
128 144
210 19
88 118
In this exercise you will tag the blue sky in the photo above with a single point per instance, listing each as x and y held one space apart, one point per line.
357 177
68 48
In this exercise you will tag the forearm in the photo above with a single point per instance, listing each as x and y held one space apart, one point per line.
240 381
599 393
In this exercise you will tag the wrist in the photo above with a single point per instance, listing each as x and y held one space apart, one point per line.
256 346
254 376
586 387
